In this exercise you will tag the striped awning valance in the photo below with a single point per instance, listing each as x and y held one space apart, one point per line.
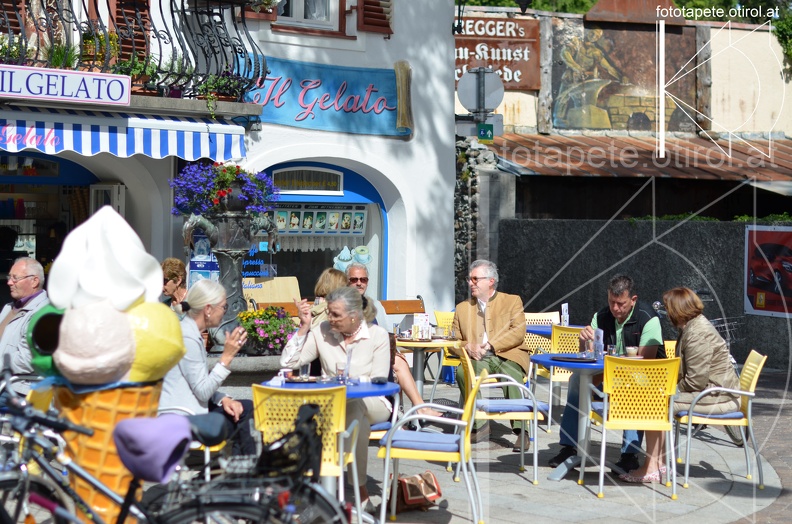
121 134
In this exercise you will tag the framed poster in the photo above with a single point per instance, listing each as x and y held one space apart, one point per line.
768 271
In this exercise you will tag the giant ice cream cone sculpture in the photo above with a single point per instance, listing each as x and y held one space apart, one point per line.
115 343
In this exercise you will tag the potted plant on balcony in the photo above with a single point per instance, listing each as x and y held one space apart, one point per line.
224 86
63 56
177 73
11 52
142 71
98 48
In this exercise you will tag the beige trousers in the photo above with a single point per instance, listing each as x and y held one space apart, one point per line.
366 411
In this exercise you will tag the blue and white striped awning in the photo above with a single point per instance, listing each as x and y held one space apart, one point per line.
121 134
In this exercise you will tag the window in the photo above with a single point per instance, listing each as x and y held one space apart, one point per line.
316 13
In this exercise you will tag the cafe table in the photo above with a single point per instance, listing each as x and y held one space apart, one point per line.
419 348
585 368
543 330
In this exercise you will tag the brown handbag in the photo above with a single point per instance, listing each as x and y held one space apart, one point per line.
417 492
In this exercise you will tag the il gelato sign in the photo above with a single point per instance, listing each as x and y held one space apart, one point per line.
36 83
333 98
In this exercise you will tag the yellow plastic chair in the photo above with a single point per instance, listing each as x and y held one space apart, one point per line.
434 447
563 339
444 319
275 410
525 409
548 318
637 394
742 418
670 348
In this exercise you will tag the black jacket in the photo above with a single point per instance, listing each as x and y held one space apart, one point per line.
632 329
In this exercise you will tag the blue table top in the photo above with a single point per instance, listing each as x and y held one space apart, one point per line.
543 330
360 390
546 360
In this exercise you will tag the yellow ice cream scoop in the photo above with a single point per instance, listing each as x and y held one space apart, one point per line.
158 341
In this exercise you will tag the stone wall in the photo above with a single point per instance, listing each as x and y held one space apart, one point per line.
548 262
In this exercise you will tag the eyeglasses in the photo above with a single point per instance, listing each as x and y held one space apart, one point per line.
17 279
224 306
475 280
354 280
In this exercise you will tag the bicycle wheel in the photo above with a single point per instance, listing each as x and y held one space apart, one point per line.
16 502
239 512
735 435
313 505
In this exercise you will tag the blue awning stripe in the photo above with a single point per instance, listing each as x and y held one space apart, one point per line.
121 134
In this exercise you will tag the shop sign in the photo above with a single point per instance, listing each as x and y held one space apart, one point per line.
308 181
510 47
36 83
332 98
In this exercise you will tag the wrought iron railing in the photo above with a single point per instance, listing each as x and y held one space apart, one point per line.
183 48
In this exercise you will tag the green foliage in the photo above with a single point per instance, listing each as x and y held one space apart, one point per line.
98 48
769 219
680 217
136 68
783 31
63 56
556 6
10 52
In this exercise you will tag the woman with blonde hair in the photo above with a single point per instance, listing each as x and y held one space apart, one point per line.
705 363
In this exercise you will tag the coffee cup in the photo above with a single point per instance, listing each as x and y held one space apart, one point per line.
286 373
631 351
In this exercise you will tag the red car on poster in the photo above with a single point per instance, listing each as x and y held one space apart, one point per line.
770 267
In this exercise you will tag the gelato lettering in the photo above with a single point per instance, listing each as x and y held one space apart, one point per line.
72 86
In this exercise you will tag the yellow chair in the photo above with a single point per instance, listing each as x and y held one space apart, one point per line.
435 447
275 410
637 394
742 418
444 319
525 409
563 339
670 348
548 318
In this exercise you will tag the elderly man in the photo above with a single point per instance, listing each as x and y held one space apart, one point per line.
26 283
358 278
491 326
626 321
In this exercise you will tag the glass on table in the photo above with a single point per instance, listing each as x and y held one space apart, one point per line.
341 372
305 371
588 349
611 350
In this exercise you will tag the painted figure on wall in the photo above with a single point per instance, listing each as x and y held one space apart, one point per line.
605 79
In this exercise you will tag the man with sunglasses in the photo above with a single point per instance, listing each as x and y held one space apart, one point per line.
358 279
491 326
26 284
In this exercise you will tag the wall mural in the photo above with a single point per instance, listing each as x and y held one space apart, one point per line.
604 78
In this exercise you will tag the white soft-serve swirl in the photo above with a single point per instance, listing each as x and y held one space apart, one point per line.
102 259
101 272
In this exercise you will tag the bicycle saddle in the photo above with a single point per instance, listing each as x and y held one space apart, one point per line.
209 429
151 448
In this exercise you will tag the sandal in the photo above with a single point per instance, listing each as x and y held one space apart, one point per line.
429 412
648 478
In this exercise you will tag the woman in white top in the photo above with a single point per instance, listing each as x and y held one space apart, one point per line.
346 337
187 387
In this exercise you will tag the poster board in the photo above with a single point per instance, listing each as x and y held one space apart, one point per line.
768 271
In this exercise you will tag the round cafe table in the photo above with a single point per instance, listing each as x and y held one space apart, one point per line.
419 348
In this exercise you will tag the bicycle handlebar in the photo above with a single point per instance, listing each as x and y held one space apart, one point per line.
20 408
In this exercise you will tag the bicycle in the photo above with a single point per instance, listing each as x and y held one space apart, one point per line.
49 494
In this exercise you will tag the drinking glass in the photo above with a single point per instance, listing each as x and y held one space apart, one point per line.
611 350
341 372
305 371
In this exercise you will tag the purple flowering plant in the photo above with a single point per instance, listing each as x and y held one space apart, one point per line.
268 330
203 187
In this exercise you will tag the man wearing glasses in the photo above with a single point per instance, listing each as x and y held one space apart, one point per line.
26 284
491 326
358 278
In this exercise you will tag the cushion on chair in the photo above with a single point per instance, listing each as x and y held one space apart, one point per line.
734 415
509 405
381 426
598 408
424 441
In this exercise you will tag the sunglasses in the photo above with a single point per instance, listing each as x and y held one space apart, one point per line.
476 280
354 280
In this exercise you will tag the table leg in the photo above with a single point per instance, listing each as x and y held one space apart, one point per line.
418 368
584 402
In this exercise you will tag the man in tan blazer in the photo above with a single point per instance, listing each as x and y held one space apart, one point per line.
491 326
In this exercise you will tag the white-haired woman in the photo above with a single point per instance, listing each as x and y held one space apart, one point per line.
188 386
348 328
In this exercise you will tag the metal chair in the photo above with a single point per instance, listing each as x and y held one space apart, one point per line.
525 409
637 394
275 410
444 320
431 446
563 339
742 418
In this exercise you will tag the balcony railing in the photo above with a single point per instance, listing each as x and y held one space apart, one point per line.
188 48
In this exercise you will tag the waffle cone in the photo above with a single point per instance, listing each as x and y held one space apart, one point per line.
100 411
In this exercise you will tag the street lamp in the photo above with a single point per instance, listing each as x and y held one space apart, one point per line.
524 4
458 28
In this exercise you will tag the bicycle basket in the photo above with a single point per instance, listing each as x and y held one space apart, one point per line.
297 452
